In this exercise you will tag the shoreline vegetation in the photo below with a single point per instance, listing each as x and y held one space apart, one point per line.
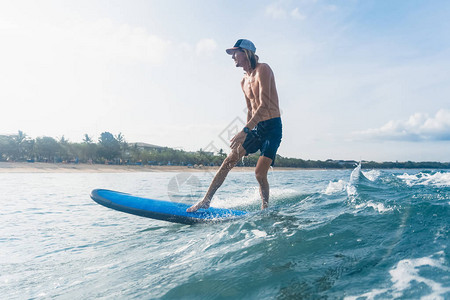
39 167
19 153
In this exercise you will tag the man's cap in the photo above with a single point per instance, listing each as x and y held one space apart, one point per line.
242 44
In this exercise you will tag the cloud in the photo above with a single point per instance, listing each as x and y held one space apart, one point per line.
278 11
295 13
418 127
275 11
205 47
75 64
77 40
108 41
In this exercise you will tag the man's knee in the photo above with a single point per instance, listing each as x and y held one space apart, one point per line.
262 167
230 161
228 164
261 176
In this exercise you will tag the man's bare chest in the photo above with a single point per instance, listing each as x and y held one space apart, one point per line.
250 87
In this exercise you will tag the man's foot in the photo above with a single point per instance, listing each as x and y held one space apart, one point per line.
202 204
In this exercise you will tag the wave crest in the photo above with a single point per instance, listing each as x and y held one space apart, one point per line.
439 179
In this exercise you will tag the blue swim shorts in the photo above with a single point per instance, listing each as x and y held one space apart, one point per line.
266 137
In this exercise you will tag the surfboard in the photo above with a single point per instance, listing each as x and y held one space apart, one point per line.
159 209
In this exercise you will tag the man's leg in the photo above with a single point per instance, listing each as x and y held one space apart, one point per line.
219 178
262 167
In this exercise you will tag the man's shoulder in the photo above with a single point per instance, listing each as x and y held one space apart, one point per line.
262 66
263 69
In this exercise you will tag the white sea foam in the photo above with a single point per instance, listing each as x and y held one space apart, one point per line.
259 233
369 295
276 193
437 179
248 196
379 207
335 187
372 175
354 177
252 236
407 273
351 192
251 196
351 186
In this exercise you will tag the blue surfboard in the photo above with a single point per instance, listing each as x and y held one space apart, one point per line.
160 210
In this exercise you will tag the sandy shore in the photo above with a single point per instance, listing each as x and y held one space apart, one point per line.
23 167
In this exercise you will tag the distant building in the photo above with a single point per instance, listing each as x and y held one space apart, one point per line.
145 146
342 162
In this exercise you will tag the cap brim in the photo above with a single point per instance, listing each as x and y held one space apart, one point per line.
231 50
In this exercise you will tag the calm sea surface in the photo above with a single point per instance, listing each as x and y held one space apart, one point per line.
370 234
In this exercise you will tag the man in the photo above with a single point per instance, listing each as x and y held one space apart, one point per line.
263 129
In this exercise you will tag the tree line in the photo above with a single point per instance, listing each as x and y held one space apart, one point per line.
109 148
114 149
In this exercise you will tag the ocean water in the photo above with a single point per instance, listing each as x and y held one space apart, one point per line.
353 234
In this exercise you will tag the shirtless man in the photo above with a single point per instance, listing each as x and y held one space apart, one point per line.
263 129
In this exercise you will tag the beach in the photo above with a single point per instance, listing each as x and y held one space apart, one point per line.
38 167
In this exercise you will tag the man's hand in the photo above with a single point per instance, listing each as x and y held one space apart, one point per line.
238 139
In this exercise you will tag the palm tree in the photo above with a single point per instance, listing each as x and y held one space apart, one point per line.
21 145
87 139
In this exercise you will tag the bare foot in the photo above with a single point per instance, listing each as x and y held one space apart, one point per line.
202 204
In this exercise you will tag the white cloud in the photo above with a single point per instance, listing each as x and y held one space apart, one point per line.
418 127
295 13
124 43
206 47
275 11
76 40
278 11
75 65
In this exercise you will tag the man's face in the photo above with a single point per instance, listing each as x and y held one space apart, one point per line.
239 58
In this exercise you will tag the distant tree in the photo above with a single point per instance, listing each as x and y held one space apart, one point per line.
6 147
87 139
123 146
221 153
120 138
66 149
109 147
47 149
136 153
63 140
18 147
87 151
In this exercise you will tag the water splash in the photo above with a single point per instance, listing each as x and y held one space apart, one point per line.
335 187
439 179
408 272
351 186
372 175
379 207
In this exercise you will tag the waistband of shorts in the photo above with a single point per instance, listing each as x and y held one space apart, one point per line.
273 121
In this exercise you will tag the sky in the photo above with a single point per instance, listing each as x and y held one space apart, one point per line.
357 80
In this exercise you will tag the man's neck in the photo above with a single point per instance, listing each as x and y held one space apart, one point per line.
248 69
